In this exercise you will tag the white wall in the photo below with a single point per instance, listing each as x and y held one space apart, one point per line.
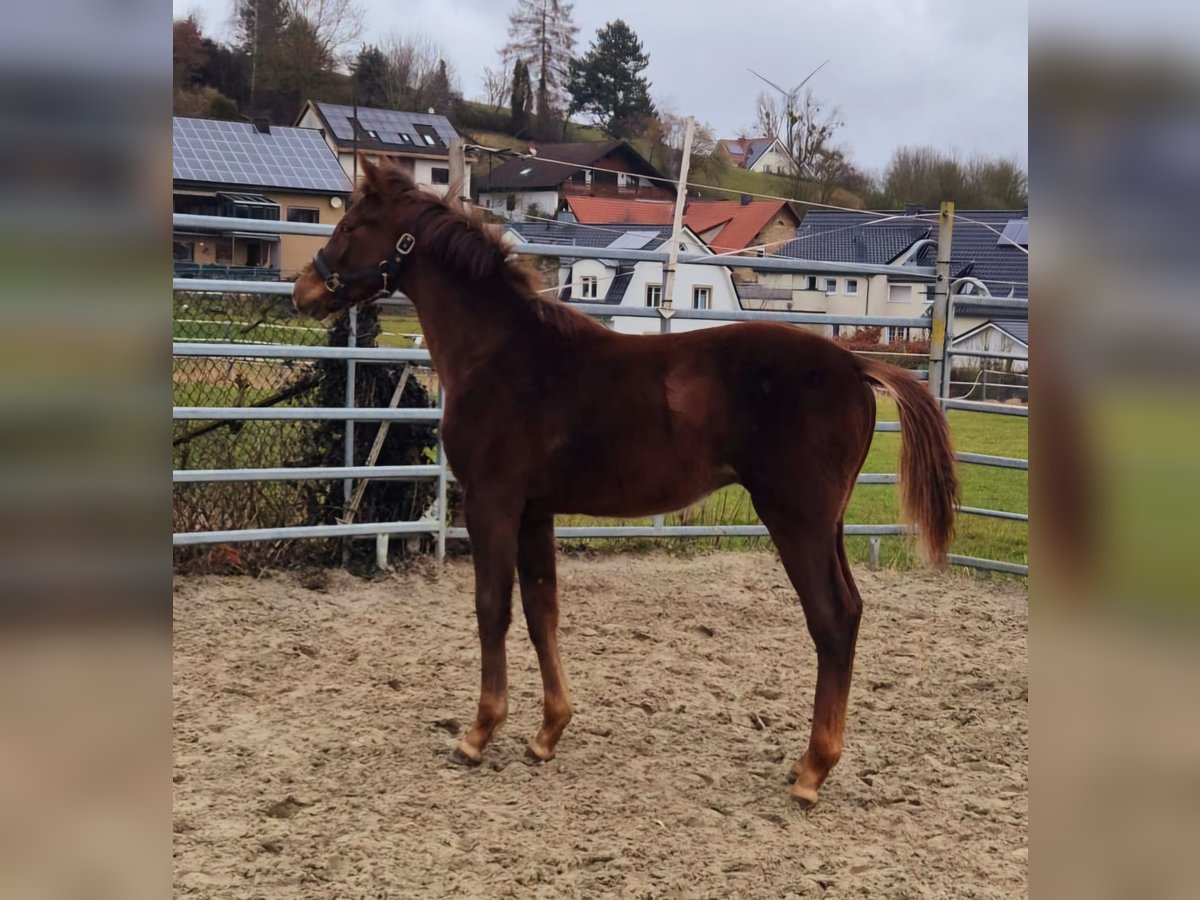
497 202
773 160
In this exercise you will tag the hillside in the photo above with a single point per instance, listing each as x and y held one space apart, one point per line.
722 181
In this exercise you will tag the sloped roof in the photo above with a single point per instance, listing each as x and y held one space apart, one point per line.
862 237
614 211
745 152
741 222
570 234
394 130
555 163
237 154
738 223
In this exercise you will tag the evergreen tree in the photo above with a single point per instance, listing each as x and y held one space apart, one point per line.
542 34
520 98
608 84
260 28
370 76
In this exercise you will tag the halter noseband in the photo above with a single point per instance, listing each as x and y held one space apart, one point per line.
387 269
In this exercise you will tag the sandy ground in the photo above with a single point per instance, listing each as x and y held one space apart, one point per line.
314 719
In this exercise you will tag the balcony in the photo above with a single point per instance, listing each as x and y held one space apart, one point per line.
225 272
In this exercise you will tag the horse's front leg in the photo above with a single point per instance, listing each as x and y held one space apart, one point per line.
492 523
539 597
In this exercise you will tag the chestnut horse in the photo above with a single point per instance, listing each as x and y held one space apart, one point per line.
547 411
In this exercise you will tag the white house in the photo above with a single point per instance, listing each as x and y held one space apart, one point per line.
988 254
419 142
1010 336
761 154
619 283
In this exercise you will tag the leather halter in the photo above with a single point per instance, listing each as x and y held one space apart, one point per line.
387 269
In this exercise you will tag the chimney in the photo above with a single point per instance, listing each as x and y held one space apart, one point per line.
262 124
745 199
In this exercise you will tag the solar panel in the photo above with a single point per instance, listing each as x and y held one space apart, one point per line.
237 153
1016 231
392 125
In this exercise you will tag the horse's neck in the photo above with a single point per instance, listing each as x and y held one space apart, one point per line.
460 329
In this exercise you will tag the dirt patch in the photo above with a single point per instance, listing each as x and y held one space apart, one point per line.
313 732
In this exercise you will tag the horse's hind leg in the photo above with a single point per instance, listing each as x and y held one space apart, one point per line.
539 597
815 562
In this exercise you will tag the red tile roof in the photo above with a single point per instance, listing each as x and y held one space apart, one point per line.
739 223
616 211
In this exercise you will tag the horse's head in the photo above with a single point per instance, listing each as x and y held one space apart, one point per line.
366 253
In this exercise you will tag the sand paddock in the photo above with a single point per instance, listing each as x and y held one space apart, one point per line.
315 715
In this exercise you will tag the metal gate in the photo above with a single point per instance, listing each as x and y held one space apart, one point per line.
939 323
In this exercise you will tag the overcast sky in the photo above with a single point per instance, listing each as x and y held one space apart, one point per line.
949 73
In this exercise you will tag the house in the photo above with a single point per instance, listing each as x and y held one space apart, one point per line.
540 184
251 171
724 225
417 142
1009 336
621 283
986 256
759 154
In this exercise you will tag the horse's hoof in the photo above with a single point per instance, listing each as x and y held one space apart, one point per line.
466 755
804 796
535 754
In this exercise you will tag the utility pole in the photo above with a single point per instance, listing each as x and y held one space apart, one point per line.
938 338
666 309
458 166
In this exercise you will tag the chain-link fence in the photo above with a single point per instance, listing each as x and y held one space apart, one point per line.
200 381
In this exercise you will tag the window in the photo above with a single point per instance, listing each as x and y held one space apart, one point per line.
588 287
896 333
899 293
510 203
835 331
851 286
701 297
405 138
830 286
810 283
654 295
302 214
440 176
183 251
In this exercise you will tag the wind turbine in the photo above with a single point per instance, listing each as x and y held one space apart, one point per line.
790 97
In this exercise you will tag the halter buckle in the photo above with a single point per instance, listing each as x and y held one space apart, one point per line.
333 283
405 245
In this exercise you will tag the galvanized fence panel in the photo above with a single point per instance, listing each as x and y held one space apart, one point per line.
437 525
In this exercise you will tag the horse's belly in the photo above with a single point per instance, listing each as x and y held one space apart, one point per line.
629 491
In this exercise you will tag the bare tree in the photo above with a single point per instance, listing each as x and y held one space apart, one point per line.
770 115
412 66
336 23
810 131
542 33
497 87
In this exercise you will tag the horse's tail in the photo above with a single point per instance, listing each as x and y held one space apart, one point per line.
928 483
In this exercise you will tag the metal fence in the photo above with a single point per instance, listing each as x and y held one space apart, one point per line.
436 522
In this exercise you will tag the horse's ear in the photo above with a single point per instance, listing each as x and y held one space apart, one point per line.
370 172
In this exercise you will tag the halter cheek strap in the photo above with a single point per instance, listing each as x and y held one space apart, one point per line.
388 269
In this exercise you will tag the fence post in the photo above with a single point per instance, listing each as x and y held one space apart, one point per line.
666 307
443 513
938 337
348 449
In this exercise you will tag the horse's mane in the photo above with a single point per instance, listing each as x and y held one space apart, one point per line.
458 237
